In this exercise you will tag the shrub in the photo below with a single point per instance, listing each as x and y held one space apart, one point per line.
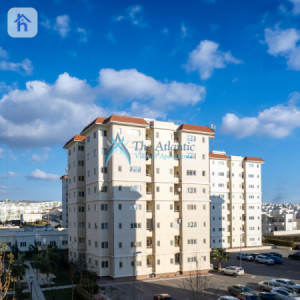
279 242
81 293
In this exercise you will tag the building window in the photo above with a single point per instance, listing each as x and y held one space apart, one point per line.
96 244
22 244
120 225
104 189
135 225
104 264
191 138
103 133
191 206
191 190
104 245
157 189
191 172
135 169
120 168
104 207
120 244
192 224
120 265
104 226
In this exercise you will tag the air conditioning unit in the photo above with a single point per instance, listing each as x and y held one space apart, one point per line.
179 221
179 190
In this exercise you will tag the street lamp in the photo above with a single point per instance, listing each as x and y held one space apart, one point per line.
241 249
133 272
31 280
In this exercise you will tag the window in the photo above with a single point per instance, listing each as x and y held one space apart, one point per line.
158 261
192 224
22 244
158 225
104 226
221 174
192 259
81 163
104 245
120 206
134 132
135 188
80 148
96 244
95 152
191 172
120 244
192 242
103 133
88 156
191 138
95 135
135 169
104 189
80 194
135 244
120 265
191 190
157 170
157 189
80 178
104 207
135 225
135 206
104 264
104 151
120 225
191 206
203 173
158 206
120 168
96 226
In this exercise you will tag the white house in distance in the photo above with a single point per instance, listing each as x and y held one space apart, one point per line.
235 194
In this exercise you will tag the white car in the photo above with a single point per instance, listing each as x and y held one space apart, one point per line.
287 283
264 260
227 298
268 285
285 294
233 270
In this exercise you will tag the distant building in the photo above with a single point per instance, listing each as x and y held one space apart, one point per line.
64 198
235 195
41 237
26 217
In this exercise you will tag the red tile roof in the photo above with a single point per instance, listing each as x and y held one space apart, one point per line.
256 159
116 118
76 138
216 155
99 120
125 119
64 176
196 128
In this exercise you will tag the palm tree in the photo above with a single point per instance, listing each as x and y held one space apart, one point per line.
219 255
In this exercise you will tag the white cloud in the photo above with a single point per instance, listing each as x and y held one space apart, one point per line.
62 25
129 85
284 43
3 53
9 174
133 14
45 114
207 57
183 30
145 111
277 122
24 67
296 6
39 174
65 28
38 158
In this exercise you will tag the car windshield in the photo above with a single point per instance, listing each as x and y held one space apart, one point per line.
246 289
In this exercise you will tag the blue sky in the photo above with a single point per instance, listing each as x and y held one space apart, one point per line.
233 63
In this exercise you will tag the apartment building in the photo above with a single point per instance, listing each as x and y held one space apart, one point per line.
64 200
235 188
138 197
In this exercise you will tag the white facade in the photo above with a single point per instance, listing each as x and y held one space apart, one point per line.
30 217
64 200
40 237
283 222
152 213
11 210
235 193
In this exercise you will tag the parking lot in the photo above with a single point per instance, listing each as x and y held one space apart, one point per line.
217 283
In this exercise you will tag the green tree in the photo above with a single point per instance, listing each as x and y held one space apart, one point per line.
219 255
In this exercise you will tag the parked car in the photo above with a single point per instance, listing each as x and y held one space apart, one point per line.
253 254
285 294
162 297
264 260
238 289
276 254
277 259
295 256
244 256
268 296
247 296
268 285
266 254
287 283
233 270
227 298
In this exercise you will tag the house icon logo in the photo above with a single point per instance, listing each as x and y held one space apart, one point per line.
22 22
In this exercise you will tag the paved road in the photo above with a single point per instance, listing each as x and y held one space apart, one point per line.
144 290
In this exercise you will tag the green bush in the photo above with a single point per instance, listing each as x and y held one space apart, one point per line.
279 242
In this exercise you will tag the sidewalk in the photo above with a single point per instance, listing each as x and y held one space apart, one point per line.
37 293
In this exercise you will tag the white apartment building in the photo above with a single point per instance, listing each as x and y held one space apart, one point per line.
143 215
64 200
235 194
41 237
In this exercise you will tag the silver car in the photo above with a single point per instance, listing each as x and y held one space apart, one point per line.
264 260
289 284
268 285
